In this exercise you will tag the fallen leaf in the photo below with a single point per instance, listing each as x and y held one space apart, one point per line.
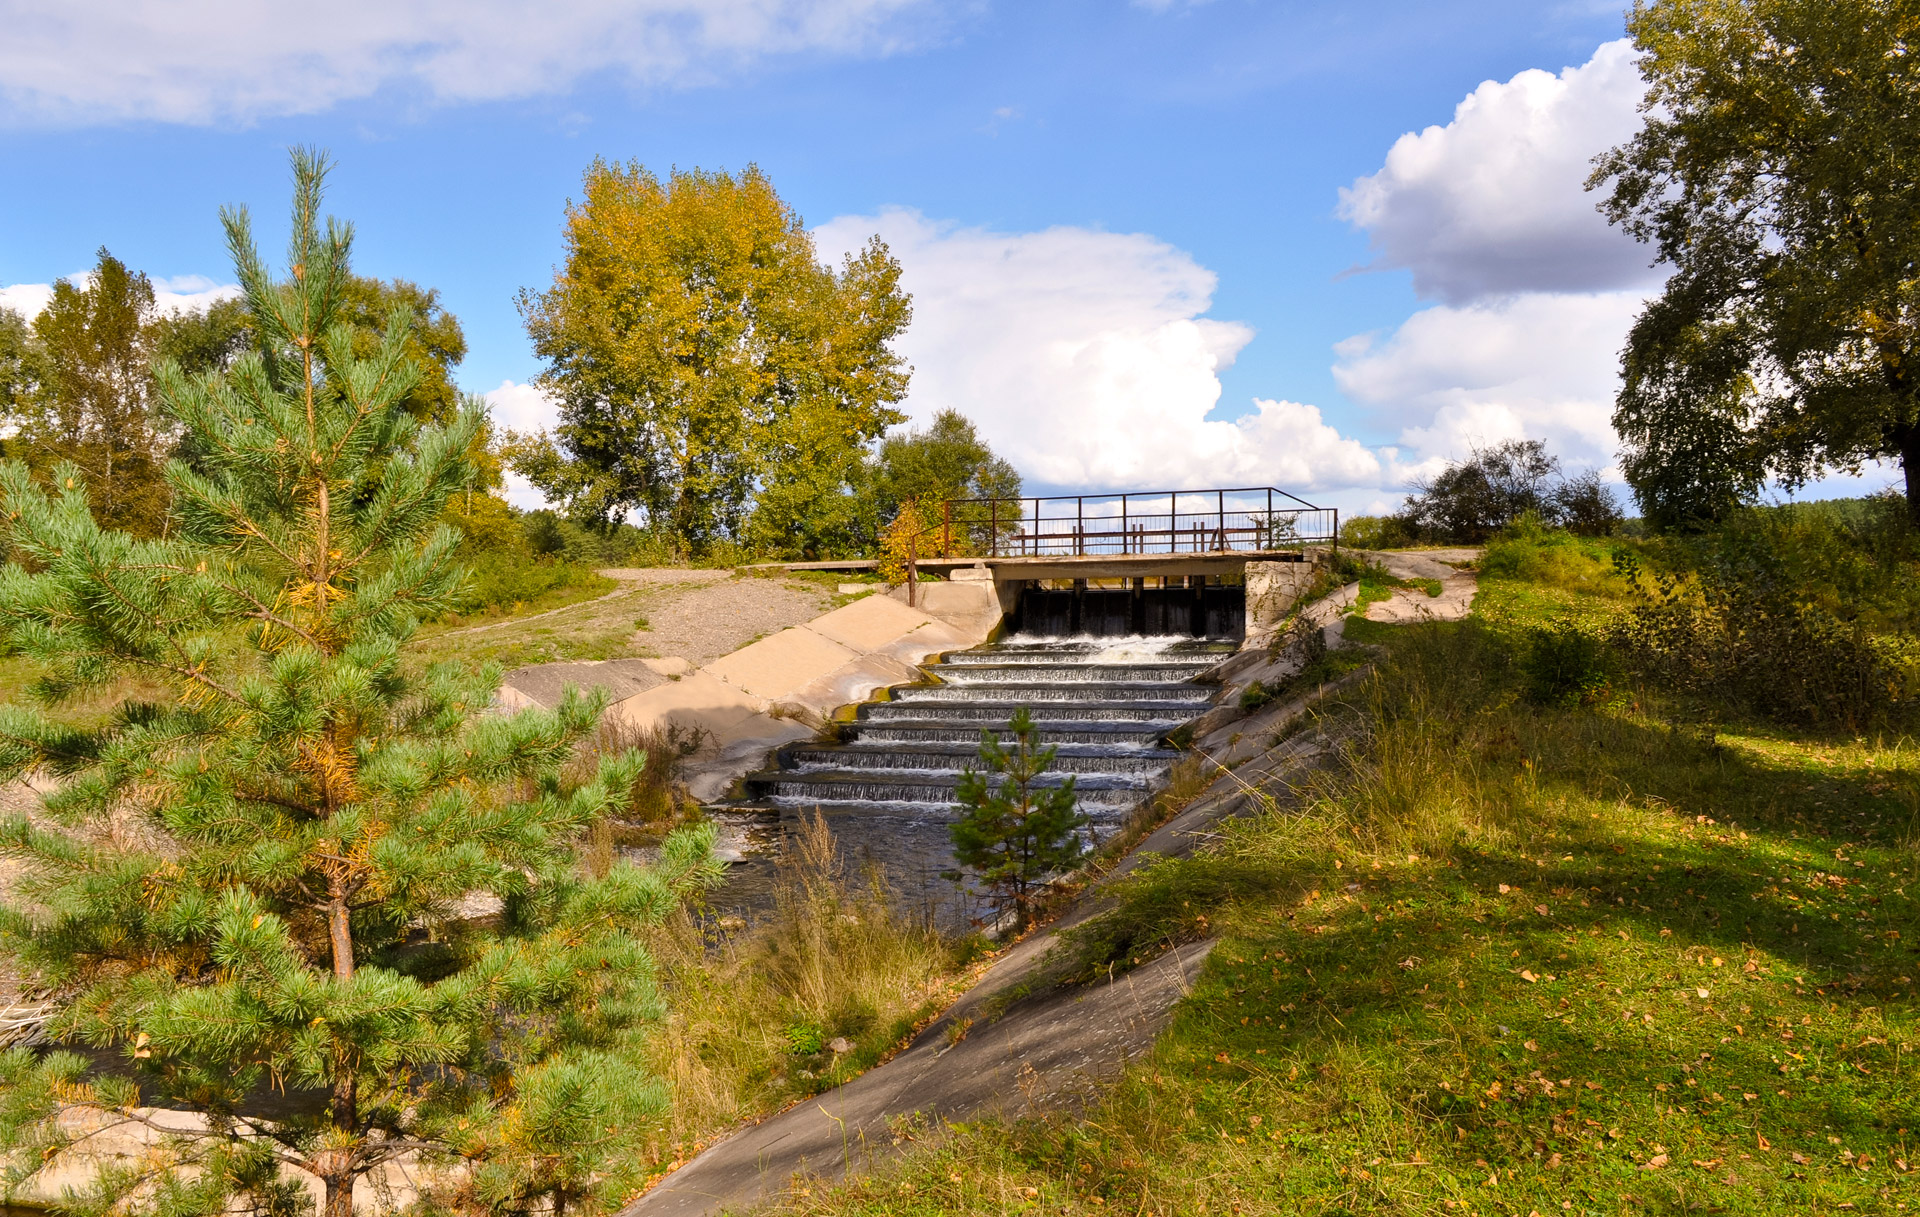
1701 994
1540 909
1531 1046
1799 1159
1504 889
1527 976
1656 1162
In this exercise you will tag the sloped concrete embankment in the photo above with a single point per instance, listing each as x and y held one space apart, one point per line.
787 686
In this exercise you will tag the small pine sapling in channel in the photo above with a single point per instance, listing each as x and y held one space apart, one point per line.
1015 835
245 897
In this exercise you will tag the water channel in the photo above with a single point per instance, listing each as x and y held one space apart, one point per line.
886 786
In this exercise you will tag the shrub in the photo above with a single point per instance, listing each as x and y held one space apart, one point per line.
1565 666
1756 642
1475 499
1378 532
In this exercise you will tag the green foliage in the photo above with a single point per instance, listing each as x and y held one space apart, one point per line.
1564 665
1775 173
434 342
1742 637
88 405
1378 532
1475 499
254 881
703 360
1255 695
1530 551
1015 836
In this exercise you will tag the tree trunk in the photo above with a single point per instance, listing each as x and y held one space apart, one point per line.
1909 441
339 1197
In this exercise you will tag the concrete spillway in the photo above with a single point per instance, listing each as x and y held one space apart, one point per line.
1105 704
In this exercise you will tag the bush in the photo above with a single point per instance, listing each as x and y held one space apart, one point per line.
1378 532
1755 642
1565 666
499 579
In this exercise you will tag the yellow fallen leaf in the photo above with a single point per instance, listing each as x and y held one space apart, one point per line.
1527 976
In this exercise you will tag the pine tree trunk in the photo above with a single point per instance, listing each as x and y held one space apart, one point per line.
339 1197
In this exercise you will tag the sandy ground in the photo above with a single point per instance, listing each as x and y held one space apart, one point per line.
695 615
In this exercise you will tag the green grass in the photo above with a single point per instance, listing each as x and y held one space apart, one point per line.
1507 958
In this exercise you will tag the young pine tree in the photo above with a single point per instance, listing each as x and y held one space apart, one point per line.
1014 836
248 888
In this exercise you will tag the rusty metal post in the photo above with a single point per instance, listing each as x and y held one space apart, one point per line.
946 529
993 526
913 569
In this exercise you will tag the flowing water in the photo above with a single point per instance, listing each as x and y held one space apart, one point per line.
1105 704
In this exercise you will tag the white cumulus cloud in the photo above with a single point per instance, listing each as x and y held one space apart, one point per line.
1536 291
200 61
1087 359
181 293
1494 202
1540 365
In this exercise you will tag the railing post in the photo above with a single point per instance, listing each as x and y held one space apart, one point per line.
913 570
1125 547
1080 526
1336 530
946 529
1220 523
993 526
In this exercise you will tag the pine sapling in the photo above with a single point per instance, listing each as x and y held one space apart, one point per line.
251 887
1016 835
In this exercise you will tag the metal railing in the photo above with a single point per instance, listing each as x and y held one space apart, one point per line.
1245 519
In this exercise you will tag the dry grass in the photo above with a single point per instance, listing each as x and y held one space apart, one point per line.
755 1016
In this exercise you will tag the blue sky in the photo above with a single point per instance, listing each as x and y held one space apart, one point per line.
1124 223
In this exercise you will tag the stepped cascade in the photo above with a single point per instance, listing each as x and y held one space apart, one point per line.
1106 704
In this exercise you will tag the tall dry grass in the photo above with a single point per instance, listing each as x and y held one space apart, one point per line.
825 986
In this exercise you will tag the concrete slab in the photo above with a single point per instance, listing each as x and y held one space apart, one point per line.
542 684
777 667
698 700
670 666
868 624
710 775
929 639
971 606
851 682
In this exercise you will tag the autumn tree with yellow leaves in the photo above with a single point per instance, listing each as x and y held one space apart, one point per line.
710 371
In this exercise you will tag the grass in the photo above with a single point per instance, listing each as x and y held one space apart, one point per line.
832 982
1507 958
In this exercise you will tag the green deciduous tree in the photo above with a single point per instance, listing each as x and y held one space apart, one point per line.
1013 836
253 885
90 403
1778 174
702 357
